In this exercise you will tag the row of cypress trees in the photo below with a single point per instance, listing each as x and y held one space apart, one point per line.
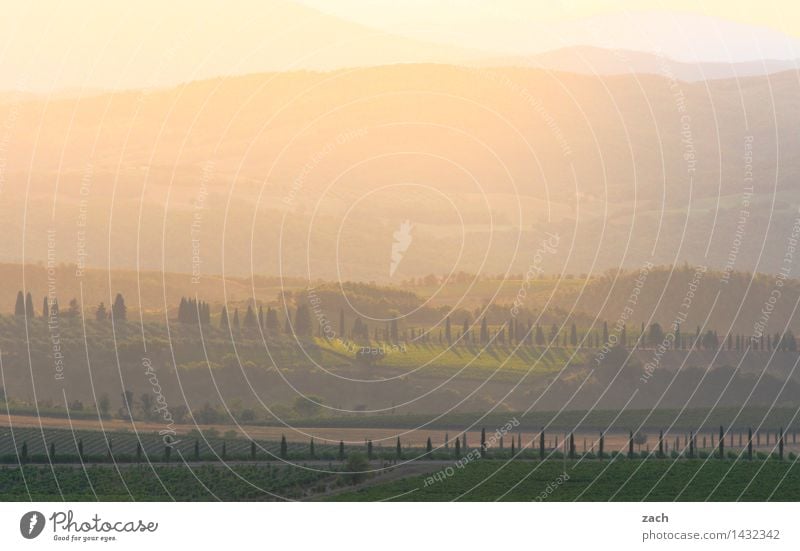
23 308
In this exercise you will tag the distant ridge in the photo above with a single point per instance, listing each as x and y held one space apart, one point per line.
590 60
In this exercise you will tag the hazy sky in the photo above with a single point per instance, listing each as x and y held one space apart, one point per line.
51 45
688 31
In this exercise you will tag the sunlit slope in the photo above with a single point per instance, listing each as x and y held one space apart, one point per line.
314 172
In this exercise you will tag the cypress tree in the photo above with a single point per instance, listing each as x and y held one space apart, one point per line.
458 448
630 445
539 335
302 321
399 449
19 307
52 451
341 450
138 452
446 441
182 312
513 450
272 323
252 450
483 442
196 450
780 444
429 445
661 443
45 309
464 441
236 324
250 317
721 443
750 443
100 314
484 331
29 306
541 445
572 445
223 318
447 334
691 445
118 310
369 449
602 441
24 451
284 447
311 448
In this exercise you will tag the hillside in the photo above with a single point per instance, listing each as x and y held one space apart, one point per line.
721 301
211 374
310 174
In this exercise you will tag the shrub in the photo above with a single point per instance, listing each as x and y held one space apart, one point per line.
355 468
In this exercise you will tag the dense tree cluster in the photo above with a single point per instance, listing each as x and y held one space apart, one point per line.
193 311
302 323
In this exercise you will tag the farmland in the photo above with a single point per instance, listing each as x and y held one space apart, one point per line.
93 465
619 480
160 483
477 361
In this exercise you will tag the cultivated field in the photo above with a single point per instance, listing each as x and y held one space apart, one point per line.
620 480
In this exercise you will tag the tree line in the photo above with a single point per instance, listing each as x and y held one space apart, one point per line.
24 308
514 331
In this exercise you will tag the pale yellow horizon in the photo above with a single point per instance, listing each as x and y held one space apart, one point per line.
87 45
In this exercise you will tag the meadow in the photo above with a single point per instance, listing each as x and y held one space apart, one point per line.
161 483
54 464
588 480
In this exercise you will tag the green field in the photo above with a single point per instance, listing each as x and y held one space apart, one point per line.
468 360
484 480
620 480
161 483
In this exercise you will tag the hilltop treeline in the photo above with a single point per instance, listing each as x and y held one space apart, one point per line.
727 302
732 302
